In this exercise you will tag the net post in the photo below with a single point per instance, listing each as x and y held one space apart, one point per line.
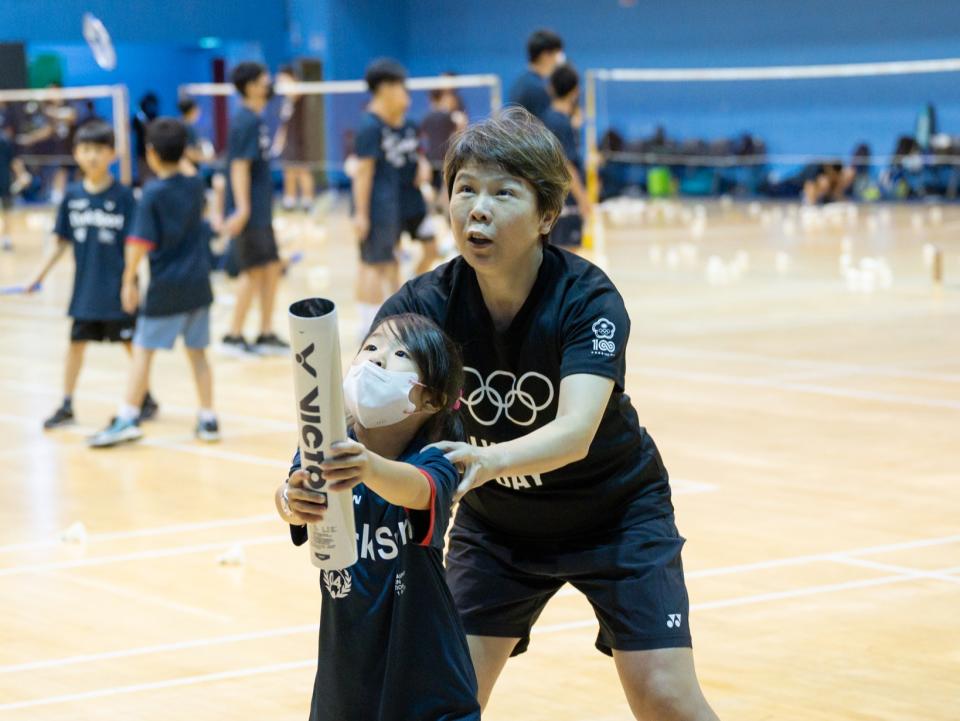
121 125
496 95
592 169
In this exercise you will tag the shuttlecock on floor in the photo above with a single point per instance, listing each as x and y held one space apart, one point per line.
233 556
782 262
74 533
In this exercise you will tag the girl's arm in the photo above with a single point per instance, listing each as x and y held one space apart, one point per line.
566 439
398 483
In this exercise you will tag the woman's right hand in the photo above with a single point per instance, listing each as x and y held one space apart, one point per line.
306 506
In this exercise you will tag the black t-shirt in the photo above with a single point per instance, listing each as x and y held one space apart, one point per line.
561 126
7 153
392 647
574 321
96 224
170 222
412 204
530 91
250 140
390 149
436 129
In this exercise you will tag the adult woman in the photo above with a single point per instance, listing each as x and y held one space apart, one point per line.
580 494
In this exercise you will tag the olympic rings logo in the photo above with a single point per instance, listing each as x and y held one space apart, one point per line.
507 394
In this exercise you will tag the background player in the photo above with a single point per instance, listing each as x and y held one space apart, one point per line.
544 52
250 214
381 146
94 218
169 226
565 91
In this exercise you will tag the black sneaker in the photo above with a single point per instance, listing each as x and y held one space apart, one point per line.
270 344
236 347
208 431
148 409
62 417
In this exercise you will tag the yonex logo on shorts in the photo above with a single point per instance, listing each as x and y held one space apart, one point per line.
674 620
502 393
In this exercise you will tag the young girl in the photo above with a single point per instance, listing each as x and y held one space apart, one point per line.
391 643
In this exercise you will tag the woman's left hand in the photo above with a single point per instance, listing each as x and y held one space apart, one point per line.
349 464
479 465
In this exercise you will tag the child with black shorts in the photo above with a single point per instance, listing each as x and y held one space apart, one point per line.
415 177
392 647
381 147
94 218
249 222
565 91
169 226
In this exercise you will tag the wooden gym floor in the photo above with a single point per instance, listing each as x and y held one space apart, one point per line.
813 435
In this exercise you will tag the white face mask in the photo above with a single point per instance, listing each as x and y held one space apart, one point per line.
376 397
561 58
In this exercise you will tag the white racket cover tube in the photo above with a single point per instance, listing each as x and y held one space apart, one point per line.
321 422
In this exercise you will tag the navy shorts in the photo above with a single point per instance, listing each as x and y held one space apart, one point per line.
419 230
255 247
633 578
379 245
568 232
99 331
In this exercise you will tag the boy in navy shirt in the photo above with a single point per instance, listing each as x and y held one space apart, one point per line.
94 218
249 219
416 173
565 89
382 146
169 226
392 647
545 52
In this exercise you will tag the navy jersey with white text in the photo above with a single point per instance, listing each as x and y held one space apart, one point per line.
392 647
96 225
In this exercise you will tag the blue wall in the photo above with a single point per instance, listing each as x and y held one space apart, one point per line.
159 47
801 117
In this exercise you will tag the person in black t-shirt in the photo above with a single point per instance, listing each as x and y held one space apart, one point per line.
381 146
94 218
392 647
562 484
169 226
290 144
565 89
250 214
545 52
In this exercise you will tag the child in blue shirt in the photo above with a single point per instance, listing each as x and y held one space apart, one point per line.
169 226
94 218
392 647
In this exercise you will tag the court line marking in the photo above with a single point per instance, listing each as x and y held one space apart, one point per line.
271 633
542 630
141 555
156 685
805 364
159 648
807 388
139 596
145 532
916 573
849 555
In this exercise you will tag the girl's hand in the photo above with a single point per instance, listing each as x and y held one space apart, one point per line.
478 465
348 464
306 506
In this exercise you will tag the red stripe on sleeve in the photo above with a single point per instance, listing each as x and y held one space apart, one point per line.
135 240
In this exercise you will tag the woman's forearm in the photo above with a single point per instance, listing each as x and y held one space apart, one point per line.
559 443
